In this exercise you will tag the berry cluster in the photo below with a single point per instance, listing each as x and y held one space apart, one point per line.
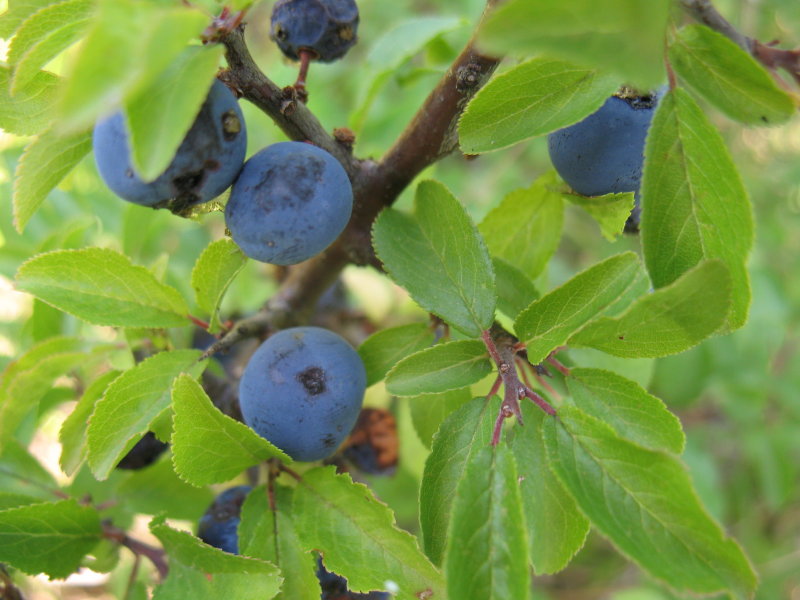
303 387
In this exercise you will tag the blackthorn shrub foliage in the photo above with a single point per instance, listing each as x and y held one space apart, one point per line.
510 412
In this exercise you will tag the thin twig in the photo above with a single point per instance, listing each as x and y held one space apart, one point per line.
157 556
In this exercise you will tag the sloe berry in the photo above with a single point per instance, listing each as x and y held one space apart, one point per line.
325 27
604 153
218 525
206 163
335 587
290 202
144 453
302 390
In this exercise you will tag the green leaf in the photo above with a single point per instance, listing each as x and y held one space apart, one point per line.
17 12
539 96
383 350
128 45
72 435
29 111
623 37
610 211
160 115
21 473
524 230
271 535
51 537
728 77
26 380
131 403
45 162
44 35
670 320
101 286
358 537
556 528
441 368
515 290
644 503
627 408
694 204
201 572
214 271
553 318
460 436
487 553
157 490
430 410
11 500
439 258
207 445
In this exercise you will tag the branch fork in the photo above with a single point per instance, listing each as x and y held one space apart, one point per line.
504 354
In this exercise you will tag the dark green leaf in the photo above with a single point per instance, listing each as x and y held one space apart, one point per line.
644 503
460 436
534 98
556 528
487 553
553 318
440 258
447 366
627 408
383 350
430 410
515 290
728 77
670 320
695 206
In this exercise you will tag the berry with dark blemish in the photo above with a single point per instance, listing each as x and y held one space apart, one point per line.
302 390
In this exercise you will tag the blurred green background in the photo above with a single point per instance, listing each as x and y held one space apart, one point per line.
738 396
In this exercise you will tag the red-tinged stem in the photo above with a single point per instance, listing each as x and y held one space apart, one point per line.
198 322
306 56
292 473
502 348
540 402
155 555
557 364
